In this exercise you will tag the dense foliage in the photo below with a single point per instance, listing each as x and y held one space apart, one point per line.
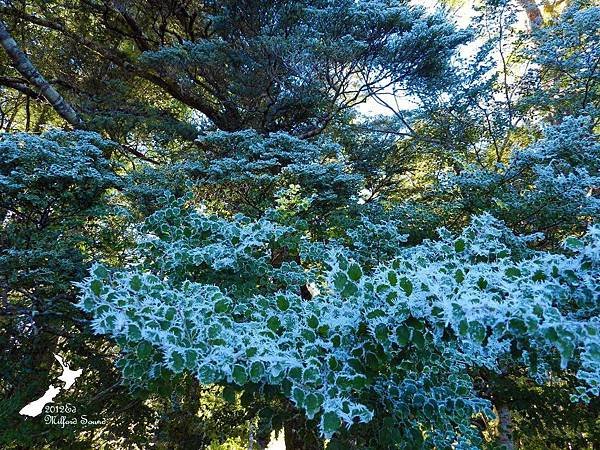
395 340
228 248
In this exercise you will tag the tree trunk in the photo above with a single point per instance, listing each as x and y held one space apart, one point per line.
255 440
505 428
24 66
534 14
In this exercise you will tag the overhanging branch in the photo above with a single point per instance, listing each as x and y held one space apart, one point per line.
28 71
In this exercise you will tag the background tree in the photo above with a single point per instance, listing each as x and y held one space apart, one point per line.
263 257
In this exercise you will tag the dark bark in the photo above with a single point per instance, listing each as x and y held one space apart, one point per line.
24 66
20 85
505 428
138 35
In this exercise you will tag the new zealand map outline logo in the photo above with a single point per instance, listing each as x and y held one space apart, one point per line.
68 377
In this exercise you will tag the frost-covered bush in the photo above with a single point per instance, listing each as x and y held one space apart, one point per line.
549 186
54 169
394 343
565 58
50 186
55 218
246 170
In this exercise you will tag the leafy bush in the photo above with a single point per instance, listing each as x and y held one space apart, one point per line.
399 340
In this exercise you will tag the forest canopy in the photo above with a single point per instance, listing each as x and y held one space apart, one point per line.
334 224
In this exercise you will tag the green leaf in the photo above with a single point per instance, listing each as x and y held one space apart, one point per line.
438 312
274 323
354 272
331 423
349 290
323 330
135 283
336 340
566 350
573 242
512 272
177 361
381 332
295 373
406 285
311 375
283 303
144 350
207 374
88 303
191 358
239 375
482 283
359 382
403 334
477 330
459 245
298 396
111 320
430 409
170 313
333 363
134 332
100 272
308 335
418 339
463 327
312 403
517 326
551 334
96 287
312 321
391 298
539 276
214 330
340 280
392 277
257 369
418 400
222 306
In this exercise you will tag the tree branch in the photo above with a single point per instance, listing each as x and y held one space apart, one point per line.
20 85
179 89
24 66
